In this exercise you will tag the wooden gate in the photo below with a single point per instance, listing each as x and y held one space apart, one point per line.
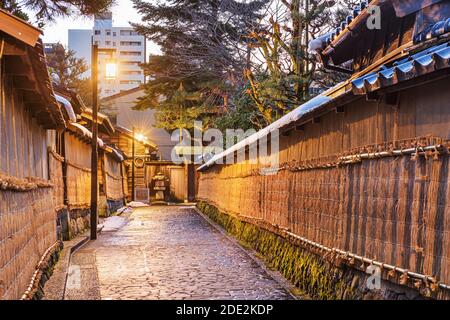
142 195
178 183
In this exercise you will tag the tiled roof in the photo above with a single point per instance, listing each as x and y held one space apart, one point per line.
424 62
85 132
328 38
291 117
433 31
344 24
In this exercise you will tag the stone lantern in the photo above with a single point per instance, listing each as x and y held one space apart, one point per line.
160 187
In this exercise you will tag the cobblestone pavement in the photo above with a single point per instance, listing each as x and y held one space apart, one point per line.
168 253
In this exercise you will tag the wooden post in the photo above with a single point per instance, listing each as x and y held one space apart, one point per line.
94 156
133 175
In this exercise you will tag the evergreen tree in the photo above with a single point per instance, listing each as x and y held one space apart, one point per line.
65 65
69 71
204 48
14 8
48 10
283 78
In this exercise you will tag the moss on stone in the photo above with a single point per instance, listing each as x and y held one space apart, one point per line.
307 271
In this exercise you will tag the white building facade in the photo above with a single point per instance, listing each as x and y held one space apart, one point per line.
129 52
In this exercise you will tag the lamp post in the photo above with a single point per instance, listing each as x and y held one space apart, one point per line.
133 156
110 74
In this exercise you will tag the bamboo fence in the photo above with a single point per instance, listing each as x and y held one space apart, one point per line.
390 208
56 177
114 188
78 162
27 230
356 180
27 209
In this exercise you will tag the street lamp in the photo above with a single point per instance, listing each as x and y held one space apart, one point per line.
111 73
133 150
140 137
111 70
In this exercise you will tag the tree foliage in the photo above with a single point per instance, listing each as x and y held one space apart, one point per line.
204 53
236 63
14 8
65 65
284 71
49 10
68 71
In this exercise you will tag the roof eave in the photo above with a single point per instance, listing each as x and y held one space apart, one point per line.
19 29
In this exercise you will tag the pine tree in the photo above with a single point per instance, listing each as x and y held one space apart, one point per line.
48 10
204 53
14 8
68 69
65 65
282 81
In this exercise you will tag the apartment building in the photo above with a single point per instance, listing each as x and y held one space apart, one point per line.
130 52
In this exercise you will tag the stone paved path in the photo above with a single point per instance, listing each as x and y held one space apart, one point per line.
168 253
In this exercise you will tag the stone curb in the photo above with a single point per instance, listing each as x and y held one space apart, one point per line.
55 287
252 254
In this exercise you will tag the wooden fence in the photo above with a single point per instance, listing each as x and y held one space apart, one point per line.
345 181
401 219
78 160
56 177
114 187
27 209
27 230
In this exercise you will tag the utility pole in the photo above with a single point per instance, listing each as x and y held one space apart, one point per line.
133 177
94 153
110 74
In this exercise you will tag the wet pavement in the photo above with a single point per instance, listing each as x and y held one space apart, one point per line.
167 253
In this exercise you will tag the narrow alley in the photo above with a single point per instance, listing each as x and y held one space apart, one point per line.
167 253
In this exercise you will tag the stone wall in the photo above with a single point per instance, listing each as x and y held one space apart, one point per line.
114 205
79 221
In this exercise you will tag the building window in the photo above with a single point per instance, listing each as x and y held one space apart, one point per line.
130 82
131 53
131 63
108 43
131 72
108 32
114 34
114 44
130 43
97 32
128 33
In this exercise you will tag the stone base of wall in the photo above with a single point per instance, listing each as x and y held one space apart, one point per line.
317 276
62 224
79 221
114 205
71 223
107 207
103 207
43 273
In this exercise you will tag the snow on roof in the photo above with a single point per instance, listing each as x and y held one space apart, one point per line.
68 106
87 133
117 154
291 117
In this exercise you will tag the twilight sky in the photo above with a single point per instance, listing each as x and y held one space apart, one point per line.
123 12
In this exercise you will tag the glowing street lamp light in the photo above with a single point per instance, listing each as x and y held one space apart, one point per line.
140 137
111 70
